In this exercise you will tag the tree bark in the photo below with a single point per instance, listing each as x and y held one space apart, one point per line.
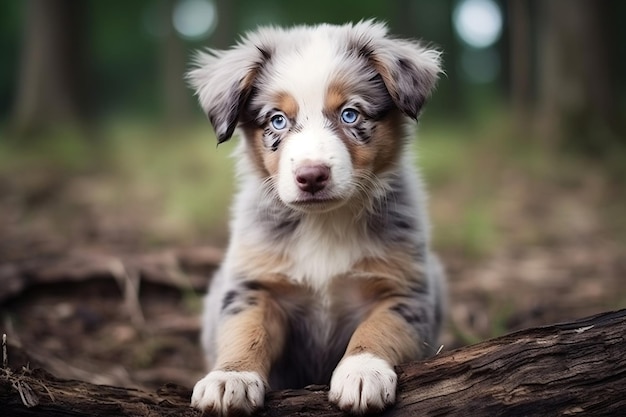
576 368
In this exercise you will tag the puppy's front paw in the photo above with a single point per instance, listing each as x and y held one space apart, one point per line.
363 383
229 393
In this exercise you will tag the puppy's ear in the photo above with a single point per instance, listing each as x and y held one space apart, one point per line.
223 80
409 71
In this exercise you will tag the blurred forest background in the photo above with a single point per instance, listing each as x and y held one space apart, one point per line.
104 152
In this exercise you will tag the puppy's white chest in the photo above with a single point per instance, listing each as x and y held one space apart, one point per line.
321 251
316 262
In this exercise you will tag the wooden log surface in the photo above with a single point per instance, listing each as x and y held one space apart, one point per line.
575 368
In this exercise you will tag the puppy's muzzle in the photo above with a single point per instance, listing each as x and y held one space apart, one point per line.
312 178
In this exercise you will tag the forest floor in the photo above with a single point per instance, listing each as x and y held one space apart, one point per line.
526 239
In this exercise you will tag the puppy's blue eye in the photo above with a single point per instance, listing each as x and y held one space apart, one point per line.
349 116
278 121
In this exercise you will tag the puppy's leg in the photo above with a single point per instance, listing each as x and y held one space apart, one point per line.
250 337
394 332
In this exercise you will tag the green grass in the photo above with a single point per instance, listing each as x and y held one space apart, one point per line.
192 177
180 179
457 165
440 152
64 148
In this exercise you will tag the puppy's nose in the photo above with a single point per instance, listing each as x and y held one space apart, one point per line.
312 178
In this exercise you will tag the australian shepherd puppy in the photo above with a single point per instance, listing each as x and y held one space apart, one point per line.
328 277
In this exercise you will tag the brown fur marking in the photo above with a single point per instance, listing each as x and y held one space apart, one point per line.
253 339
383 149
385 334
335 98
287 104
257 263
397 267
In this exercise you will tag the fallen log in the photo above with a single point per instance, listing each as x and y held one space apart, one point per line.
184 268
575 368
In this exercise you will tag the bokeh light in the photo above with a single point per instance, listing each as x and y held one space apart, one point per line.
195 19
478 22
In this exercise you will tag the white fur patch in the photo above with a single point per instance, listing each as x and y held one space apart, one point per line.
363 383
328 246
315 145
227 393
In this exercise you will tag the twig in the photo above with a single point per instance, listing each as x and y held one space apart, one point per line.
129 282
5 357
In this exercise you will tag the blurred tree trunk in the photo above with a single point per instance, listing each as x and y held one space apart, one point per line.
404 17
174 59
579 103
520 61
53 68
226 29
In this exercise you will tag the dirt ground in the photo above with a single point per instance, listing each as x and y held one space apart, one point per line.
83 324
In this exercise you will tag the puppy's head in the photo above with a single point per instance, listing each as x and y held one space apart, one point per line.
322 108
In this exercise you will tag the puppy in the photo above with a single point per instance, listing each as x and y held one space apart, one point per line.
328 277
